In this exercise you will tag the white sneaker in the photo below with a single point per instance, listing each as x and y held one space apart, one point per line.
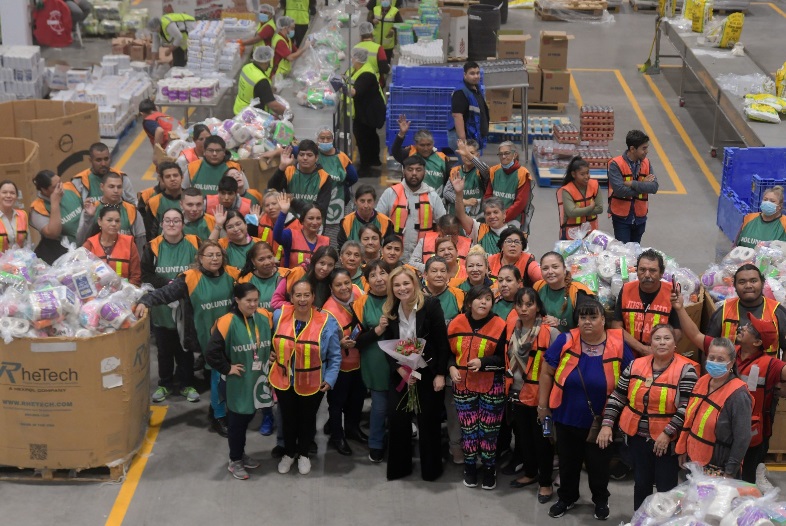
304 465
285 464
414 431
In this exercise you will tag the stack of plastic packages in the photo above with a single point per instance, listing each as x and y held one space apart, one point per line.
705 500
78 296
313 70
205 46
769 257
111 17
21 73
604 265
250 134
239 28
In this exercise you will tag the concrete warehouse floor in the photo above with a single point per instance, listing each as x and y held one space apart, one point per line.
183 480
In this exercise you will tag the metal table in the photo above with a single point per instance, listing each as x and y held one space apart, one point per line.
706 68
211 106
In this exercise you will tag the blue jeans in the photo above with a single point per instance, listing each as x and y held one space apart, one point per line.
453 139
219 406
379 409
627 233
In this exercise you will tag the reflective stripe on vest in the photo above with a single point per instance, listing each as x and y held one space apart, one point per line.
249 77
387 39
731 319
580 201
350 358
300 253
425 222
638 320
529 391
305 347
373 50
467 345
620 206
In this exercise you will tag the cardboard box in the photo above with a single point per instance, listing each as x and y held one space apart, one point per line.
258 172
535 91
556 86
136 50
554 49
120 45
500 103
458 35
19 163
512 46
63 130
160 156
696 313
75 403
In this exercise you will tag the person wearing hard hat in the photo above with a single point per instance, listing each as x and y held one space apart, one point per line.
376 54
254 82
367 107
284 49
266 27
301 12
171 31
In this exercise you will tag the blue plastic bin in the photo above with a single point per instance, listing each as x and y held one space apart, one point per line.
731 211
741 164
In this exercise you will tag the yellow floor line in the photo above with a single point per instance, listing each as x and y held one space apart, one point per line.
131 149
679 187
574 89
773 6
684 135
127 490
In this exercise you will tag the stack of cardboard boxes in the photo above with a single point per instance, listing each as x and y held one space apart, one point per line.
549 80
510 45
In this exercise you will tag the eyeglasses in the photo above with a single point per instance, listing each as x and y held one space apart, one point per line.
212 256
172 221
513 242
505 154
214 151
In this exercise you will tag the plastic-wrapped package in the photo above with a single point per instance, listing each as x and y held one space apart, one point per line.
744 84
716 276
176 147
659 507
284 133
52 305
739 256
762 113
690 284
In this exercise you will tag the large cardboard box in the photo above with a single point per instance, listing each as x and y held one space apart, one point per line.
696 313
556 86
512 46
535 91
458 35
72 403
500 103
554 49
63 130
19 163
258 172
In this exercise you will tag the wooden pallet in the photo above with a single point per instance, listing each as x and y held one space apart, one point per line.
614 9
546 106
100 474
555 15
643 5
776 457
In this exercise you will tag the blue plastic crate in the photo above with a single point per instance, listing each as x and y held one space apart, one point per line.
731 211
427 108
741 164
429 76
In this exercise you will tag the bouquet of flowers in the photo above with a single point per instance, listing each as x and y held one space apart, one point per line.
408 354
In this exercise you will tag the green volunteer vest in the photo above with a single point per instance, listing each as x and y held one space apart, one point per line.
236 254
435 173
125 223
211 299
304 186
757 230
373 50
207 177
239 349
171 261
176 18
197 228
250 75
374 366
165 204
450 306
250 197
472 189
284 65
489 242
357 279
502 308
95 186
386 39
332 165
298 11
553 300
505 186
354 231
266 288
70 212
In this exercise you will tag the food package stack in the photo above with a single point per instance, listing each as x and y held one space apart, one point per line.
239 29
552 154
22 71
596 156
205 46
230 57
187 89
768 256
566 133
597 124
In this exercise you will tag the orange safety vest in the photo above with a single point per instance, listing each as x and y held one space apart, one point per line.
697 438
266 234
165 121
120 260
620 206
430 241
731 319
425 221
529 391
638 320
526 259
305 349
467 345
762 397
211 202
581 201
569 360
299 252
146 195
21 232
190 155
350 358
661 394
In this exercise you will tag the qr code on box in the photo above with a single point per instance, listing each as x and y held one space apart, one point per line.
38 452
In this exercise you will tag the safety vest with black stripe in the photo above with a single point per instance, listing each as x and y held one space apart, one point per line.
120 258
581 200
350 358
384 32
620 206
638 319
373 51
731 319
463 244
529 391
569 360
425 220
297 356
467 345
654 397
697 438
762 396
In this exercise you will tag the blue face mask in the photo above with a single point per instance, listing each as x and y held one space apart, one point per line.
262 17
768 208
291 33
385 4
716 369
325 147
510 164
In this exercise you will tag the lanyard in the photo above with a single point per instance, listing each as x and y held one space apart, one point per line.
256 330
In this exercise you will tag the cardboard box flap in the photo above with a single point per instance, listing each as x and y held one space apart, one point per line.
554 36
513 38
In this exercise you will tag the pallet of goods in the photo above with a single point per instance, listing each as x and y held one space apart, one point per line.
597 124
553 10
